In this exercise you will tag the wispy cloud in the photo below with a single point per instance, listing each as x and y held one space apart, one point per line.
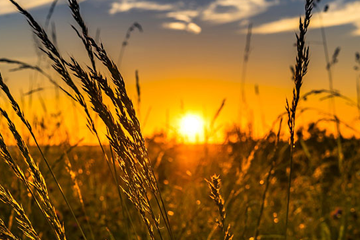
189 27
226 11
128 5
7 7
184 20
338 14
185 15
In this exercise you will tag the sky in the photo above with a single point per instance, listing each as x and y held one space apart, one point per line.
190 57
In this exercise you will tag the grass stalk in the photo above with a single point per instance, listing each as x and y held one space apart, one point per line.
50 13
329 65
138 93
215 185
23 221
20 175
90 86
73 177
125 43
5 233
357 69
38 183
243 102
257 231
123 132
123 203
300 69
21 115
23 65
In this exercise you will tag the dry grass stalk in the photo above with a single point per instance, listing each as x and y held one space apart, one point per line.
5 232
134 26
89 83
23 221
50 13
125 135
60 65
4 153
91 86
329 65
210 131
30 162
77 189
357 69
300 69
138 93
23 66
123 131
243 74
217 114
269 174
215 185
38 183
53 34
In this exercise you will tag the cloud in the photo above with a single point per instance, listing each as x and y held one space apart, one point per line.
185 16
216 12
336 16
128 5
189 27
226 11
7 7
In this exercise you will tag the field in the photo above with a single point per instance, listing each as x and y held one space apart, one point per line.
294 182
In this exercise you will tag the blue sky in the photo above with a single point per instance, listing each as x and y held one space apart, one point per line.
194 15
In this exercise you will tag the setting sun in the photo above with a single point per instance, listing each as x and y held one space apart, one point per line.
192 128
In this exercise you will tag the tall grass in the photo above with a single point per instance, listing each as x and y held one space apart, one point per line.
243 101
269 174
24 223
40 192
357 69
124 134
253 172
125 43
5 232
26 153
215 185
301 66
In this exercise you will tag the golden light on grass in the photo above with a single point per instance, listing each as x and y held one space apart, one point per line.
191 128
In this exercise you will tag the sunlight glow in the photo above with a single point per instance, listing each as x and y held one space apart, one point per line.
191 127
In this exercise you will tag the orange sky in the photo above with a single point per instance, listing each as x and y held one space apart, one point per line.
183 72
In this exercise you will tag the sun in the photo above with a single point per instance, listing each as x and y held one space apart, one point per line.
191 127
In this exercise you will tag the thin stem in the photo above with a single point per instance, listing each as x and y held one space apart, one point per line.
123 203
268 182
301 66
164 215
289 188
58 185
245 221
153 216
243 74
332 100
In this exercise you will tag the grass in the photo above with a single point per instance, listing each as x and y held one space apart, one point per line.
215 185
301 66
136 188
